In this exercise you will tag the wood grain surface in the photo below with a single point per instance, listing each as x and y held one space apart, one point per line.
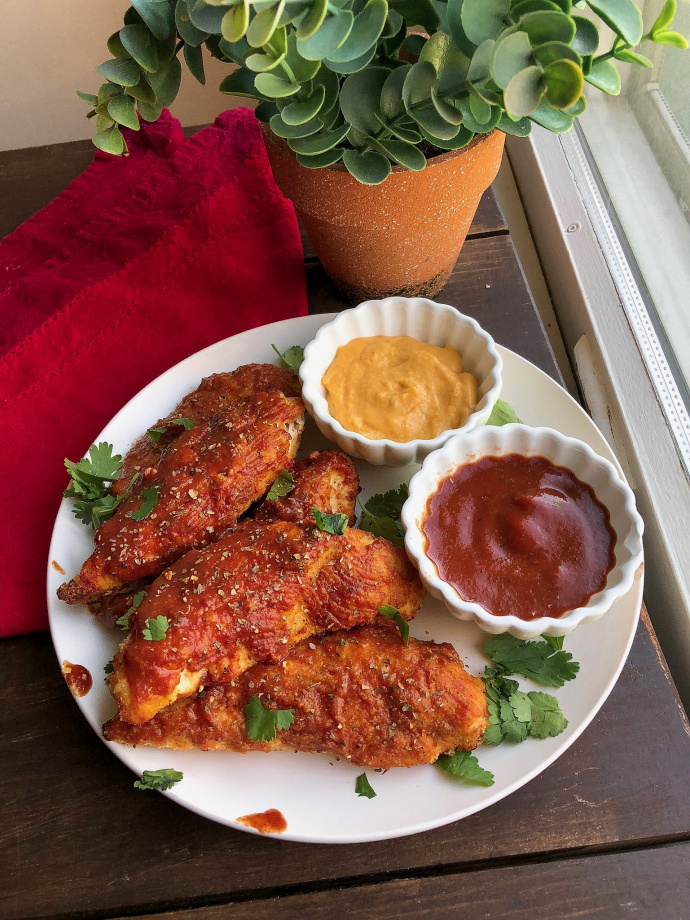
603 833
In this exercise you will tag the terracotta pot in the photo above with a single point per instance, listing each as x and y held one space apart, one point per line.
401 237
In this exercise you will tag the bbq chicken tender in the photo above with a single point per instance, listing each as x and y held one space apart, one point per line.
361 694
249 598
205 479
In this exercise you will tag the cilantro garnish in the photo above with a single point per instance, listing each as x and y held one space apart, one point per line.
156 629
262 723
108 667
123 621
155 434
538 660
554 641
392 613
502 414
381 514
90 480
283 485
330 523
150 497
160 780
463 765
292 358
547 719
363 787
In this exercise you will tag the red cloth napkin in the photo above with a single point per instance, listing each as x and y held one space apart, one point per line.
202 245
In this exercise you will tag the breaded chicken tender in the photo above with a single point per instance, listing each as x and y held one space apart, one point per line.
361 694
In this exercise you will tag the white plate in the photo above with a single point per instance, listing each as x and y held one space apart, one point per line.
316 793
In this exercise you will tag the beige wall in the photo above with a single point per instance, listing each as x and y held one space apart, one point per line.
49 48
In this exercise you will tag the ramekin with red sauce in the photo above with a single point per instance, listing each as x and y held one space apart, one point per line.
523 530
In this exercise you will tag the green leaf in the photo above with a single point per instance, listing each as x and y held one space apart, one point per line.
480 65
520 704
363 787
140 43
393 614
116 48
556 51
448 112
414 43
586 39
273 85
461 139
551 119
524 92
110 140
321 160
520 128
465 766
547 720
578 108
328 39
419 80
417 13
158 780
510 57
319 143
262 724
101 465
304 110
280 129
632 57
156 629
88 98
368 166
123 621
311 21
166 83
233 51
206 17
241 83
265 111
194 60
264 24
158 16
605 77
365 32
124 73
121 109
335 524
142 92
346 67
304 70
149 112
503 414
548 27
532 6
155 434
108 667
360 97
282 486
622 16
403 153
150 497
665 17
235 22
260 63
455 27
537 660
481 110
292 358
188 31
674 39
512 729
554 641
388 504
564 83
391 103
483 19
381 514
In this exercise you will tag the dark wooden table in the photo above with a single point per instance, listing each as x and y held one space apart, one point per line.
603 833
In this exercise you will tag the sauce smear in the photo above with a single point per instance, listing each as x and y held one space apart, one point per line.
265 822
78 678
519 536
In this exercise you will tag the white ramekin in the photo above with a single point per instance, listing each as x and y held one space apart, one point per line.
435 323
587 466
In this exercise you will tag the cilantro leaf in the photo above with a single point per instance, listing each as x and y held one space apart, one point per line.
554 641
96 510
292 358
156 629
262 723
330 523
150 497
381 514
547 720
123 621
101 466
155 434
388 504
537 660
392 613
283 485
512 728
108 667
363 787
463 765
89 483
502 414
160 780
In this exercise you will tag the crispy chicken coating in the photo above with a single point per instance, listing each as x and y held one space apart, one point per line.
204 480
361 694
249 598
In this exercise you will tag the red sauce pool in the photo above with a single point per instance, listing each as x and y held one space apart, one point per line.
78 678
519 536
265 822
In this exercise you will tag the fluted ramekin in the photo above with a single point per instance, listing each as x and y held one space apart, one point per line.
434 323
562 451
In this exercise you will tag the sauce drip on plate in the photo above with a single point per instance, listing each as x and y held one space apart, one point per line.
519 536
265 822
78 678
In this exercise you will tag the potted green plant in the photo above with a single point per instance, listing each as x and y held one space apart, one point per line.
384 119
